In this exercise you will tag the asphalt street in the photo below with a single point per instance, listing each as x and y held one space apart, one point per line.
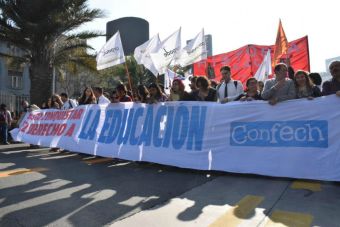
39 187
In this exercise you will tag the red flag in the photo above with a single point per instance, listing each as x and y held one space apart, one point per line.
281 45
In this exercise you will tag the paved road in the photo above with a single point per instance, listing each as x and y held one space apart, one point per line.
39 187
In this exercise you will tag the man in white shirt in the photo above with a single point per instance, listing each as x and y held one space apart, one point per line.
229 89
68 103
101 99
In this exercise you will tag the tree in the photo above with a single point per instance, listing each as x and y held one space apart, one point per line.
44 30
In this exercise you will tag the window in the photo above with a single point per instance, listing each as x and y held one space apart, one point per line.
15 79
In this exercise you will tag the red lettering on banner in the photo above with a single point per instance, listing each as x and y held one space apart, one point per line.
70 130
24 127
61 129
40 129
44 131
77 114
29 116
55 129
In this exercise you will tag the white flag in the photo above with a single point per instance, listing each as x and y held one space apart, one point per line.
195 51
169 77
265 68
111 53
142 53
167 51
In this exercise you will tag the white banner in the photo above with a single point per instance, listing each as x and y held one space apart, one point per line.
168 50
292 139
195 51
111 54
142 53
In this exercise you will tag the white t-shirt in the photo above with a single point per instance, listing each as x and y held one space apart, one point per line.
69 104
103 100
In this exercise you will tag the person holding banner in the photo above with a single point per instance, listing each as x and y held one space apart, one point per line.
204 92
333 86
87 97
156 94
68 103
304 86
101 99
229 89
251 93
122 93
279 88
177 92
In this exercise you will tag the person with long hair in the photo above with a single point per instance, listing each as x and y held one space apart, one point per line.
57 103
87 97
204 92
304 86
177 92
156 94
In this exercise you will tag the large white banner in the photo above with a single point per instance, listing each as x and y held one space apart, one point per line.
295 139
111 54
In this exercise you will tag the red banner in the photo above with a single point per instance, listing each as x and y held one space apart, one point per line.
245 61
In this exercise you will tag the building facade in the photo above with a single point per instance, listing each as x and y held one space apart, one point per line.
133 31
14 77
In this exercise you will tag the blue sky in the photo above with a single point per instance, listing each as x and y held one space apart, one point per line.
233 24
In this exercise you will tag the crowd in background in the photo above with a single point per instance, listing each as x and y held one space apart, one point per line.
285 85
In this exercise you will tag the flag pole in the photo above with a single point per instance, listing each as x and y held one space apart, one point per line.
129 78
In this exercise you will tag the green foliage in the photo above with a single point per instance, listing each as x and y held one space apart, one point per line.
44 31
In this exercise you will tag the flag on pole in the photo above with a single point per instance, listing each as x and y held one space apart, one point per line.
265 68
195 51
169 48
142 53
111 54
281 45
169 76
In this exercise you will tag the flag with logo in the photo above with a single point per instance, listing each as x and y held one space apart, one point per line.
265 68
142 53
111 54
281 45
168 50
195 51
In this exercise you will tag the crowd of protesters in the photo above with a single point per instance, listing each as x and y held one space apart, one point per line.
285 85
